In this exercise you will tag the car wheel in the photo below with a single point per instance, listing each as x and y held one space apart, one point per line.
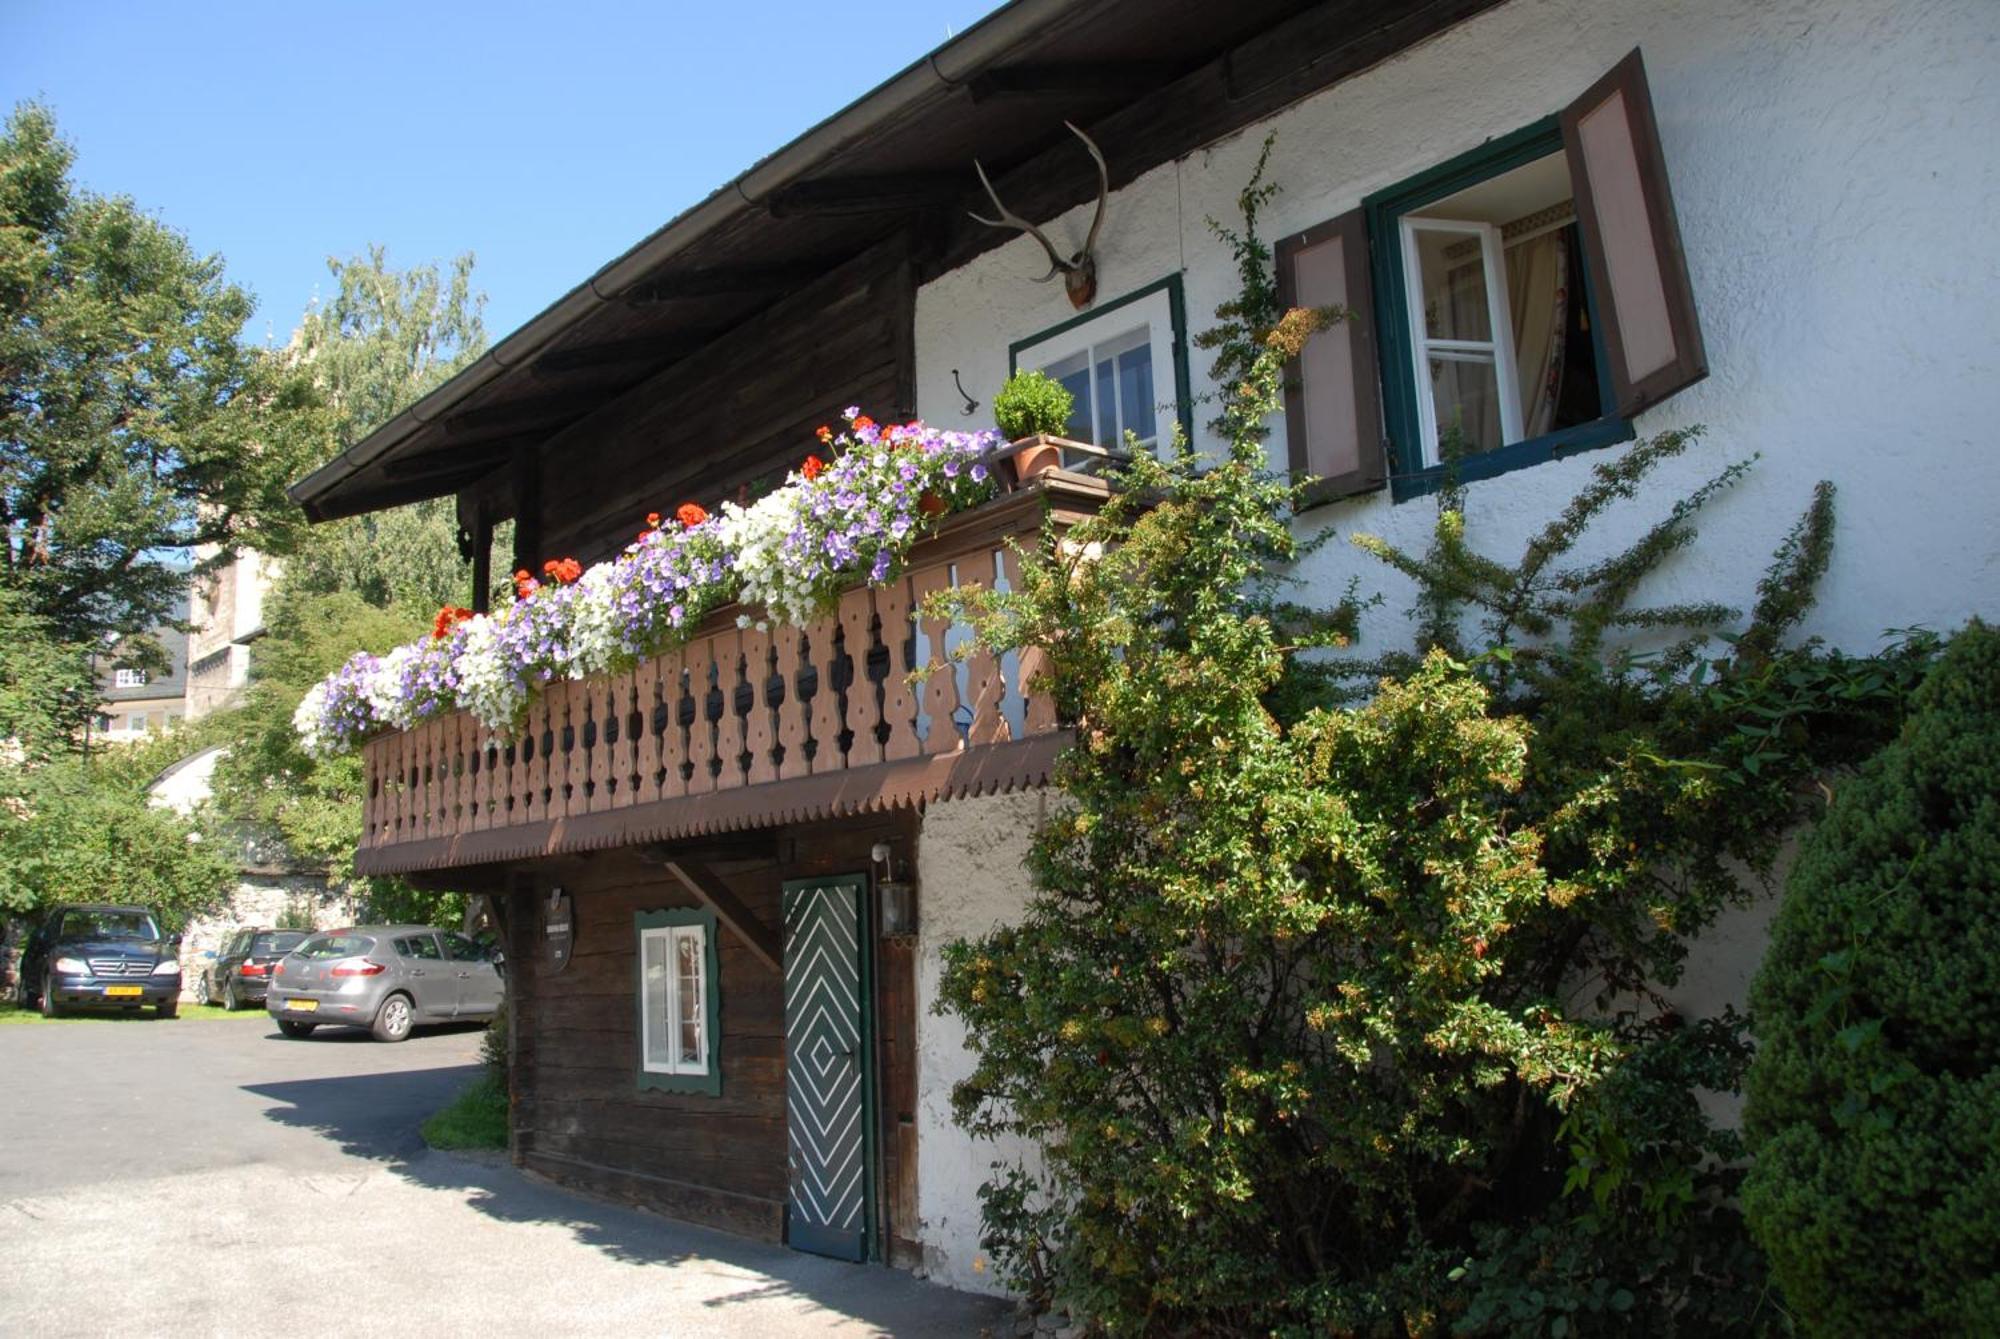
298 1031
170 1009
202 994
50 1009
393 1019
230 1003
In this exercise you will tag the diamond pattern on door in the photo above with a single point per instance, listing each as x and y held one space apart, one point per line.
825 1055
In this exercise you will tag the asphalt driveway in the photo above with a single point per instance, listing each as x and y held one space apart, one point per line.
198 1178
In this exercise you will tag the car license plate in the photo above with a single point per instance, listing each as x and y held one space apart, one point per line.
121 991
302 1006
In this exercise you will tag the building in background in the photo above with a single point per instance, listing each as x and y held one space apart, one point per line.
134 702
225 615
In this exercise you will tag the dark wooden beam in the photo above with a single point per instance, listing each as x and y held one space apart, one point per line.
727 281
759 938
624 353
903 192
1103 80
538 411
487 451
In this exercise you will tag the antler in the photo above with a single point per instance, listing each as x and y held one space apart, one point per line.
1009 219
1079 271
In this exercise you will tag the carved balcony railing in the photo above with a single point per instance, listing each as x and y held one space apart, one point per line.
743 728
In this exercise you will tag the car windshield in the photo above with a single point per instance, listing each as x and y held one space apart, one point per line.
108 925
265 945
336 946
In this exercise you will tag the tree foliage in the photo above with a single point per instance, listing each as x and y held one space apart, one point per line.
79 829
381 341
1874 1102
133 418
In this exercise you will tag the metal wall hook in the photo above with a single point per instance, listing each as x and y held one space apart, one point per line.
970 403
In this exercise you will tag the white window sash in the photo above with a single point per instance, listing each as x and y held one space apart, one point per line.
659 958
1423 349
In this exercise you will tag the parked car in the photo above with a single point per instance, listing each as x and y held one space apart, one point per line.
241 969
386 978
100 957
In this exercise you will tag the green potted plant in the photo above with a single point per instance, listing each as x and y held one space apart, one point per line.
1032 410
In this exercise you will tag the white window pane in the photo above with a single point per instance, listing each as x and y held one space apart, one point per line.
688 948
1107 404
1456 303
657 1002
1135 391
1467 397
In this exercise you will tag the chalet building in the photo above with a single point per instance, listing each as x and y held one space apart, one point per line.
727 876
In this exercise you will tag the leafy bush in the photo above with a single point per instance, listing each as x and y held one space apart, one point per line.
1874 1102
1032 402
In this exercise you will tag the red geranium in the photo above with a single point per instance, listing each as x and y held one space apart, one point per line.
448 618
525 585
563 570
812 467
653 519
690 514
864 423
825 433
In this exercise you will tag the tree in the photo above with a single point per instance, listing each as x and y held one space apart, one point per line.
384 339
133 419
1874 1100
84 830
378 345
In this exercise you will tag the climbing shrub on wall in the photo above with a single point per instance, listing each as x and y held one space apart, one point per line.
1336 1011
1874 1102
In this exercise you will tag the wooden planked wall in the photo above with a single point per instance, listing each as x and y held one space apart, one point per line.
579 1115
742 408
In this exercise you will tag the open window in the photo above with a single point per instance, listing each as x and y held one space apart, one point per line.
1124 363
678 1006
1527 298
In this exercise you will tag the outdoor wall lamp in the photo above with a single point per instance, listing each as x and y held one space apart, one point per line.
898 897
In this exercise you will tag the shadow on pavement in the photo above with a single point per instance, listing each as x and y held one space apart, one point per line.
376 1116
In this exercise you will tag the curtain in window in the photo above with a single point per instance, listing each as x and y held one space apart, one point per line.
1538 297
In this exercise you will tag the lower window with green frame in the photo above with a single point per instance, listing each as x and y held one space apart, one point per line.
679 991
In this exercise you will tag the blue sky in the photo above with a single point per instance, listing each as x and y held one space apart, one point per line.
544 137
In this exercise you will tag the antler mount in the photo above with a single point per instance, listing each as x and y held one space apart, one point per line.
1079 270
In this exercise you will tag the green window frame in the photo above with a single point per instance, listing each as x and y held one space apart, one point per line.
1177 312
1410 477
676 1076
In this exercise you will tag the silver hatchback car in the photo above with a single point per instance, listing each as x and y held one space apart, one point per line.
386 978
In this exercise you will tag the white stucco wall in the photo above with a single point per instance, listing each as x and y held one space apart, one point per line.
970 881
1835 183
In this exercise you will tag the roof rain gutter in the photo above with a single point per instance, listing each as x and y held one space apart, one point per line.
947 67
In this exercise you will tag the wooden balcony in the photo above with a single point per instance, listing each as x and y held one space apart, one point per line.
741 728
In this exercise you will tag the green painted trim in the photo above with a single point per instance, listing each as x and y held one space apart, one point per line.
1177 314
864 930
1409 476
708 1084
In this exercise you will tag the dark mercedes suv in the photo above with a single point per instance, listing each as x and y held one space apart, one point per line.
101 957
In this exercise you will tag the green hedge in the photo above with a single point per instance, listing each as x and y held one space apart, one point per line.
1874 1103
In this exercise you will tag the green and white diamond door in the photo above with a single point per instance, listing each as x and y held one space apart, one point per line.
827 1075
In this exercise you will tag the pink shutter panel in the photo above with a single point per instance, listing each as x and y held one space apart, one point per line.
1333 410
1625 213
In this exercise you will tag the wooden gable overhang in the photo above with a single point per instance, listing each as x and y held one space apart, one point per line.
835 231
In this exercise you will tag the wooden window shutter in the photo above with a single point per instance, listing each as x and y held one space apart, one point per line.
1333 408
1625 213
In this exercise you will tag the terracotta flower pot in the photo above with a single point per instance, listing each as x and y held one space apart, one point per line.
1035 456
930 504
